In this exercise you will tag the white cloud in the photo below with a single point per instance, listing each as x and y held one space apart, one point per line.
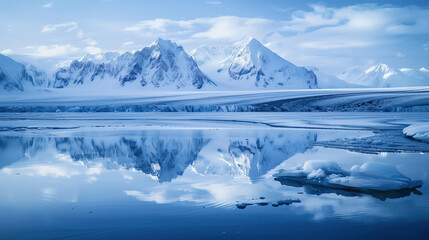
353 26
6 51
159 25
214 2
48 5
68 27
54 50
93 50
235 28
400 55
90 41
128 43
80 34
220 28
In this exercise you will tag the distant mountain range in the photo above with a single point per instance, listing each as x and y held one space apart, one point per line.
245 65
381 75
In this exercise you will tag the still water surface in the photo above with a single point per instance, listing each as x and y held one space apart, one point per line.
187 183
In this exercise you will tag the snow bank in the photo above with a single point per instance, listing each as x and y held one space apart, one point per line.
418 131
370 176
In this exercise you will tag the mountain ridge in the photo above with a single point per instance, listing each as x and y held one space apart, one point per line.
245 65
163 64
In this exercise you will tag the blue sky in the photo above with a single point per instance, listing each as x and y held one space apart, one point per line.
331 35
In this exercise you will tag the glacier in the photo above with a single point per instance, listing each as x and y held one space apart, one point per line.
314 100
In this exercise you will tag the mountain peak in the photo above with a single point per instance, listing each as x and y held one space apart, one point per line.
249 42
381 67
163 43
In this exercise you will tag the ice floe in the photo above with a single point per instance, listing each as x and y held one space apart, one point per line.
418 131
367 178
274 204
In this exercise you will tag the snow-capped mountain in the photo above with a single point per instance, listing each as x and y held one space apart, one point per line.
15 76
250 65
381 75
325 80
163 64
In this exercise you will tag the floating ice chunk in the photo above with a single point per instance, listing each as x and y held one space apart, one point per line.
418 131
370 176
286 202
314 169
274 204
243 205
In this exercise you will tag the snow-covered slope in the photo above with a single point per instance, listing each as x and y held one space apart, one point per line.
163 64
15 76
381 75
329 81
250 65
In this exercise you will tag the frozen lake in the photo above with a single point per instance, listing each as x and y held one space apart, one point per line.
205 176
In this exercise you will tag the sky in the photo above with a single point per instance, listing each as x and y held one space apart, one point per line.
331 35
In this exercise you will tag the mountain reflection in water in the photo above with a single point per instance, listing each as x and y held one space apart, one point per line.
167 157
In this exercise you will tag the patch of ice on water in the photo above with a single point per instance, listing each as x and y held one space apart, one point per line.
274 204
418 131
370 176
